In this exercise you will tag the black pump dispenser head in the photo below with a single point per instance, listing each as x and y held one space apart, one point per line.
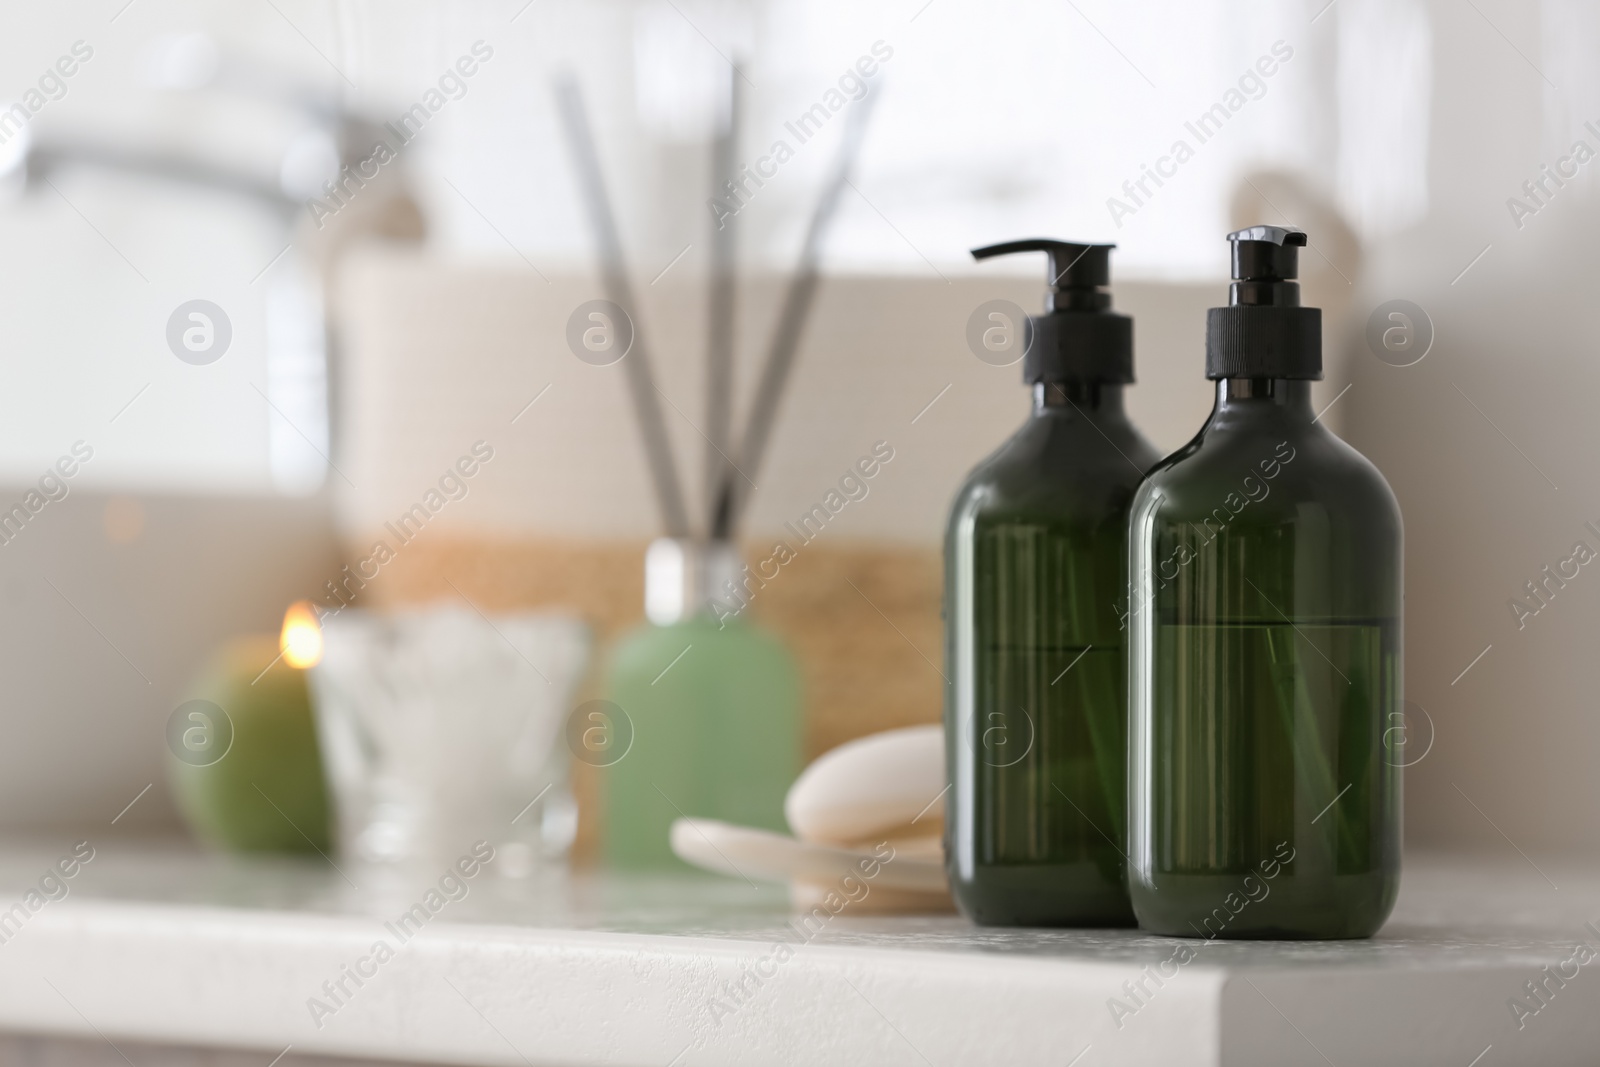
1264 332
1078 338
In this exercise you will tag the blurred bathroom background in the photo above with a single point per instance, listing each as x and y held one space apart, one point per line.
375 338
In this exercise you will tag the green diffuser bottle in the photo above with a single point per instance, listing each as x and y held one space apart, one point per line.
1265 660
1036 566
712 706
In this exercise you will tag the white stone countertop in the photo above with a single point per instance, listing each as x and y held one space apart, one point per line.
160 944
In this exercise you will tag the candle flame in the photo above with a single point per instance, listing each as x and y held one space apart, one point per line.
301 640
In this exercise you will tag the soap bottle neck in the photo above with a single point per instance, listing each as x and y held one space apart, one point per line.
1100 400
1253 401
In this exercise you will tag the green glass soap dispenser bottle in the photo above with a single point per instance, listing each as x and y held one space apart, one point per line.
1265 666
1035 570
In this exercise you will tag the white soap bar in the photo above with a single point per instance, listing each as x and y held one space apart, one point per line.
887 784
763 856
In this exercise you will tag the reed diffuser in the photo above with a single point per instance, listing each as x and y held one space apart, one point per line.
713 700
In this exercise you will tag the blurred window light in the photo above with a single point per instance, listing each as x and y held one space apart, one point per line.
145 190
182 61
1570 67
13 153
310 162
297 383
1105 122
680 77
983 131
1093 120
1384 77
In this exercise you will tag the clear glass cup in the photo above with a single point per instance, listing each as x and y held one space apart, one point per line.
440 727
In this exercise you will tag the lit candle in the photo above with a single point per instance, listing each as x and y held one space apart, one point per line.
245 768
301 638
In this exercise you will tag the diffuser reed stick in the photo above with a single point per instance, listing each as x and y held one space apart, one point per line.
721 312
614 274
786 334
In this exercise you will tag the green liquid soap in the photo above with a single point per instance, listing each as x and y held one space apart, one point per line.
1036 565
1265 658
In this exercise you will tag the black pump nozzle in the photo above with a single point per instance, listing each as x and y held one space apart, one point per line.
1079 337
1266 262
1077 272
1264 332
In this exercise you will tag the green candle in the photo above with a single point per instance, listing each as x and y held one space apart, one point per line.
245 768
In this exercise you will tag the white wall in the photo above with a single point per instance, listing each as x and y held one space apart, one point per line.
1505 400
110 606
